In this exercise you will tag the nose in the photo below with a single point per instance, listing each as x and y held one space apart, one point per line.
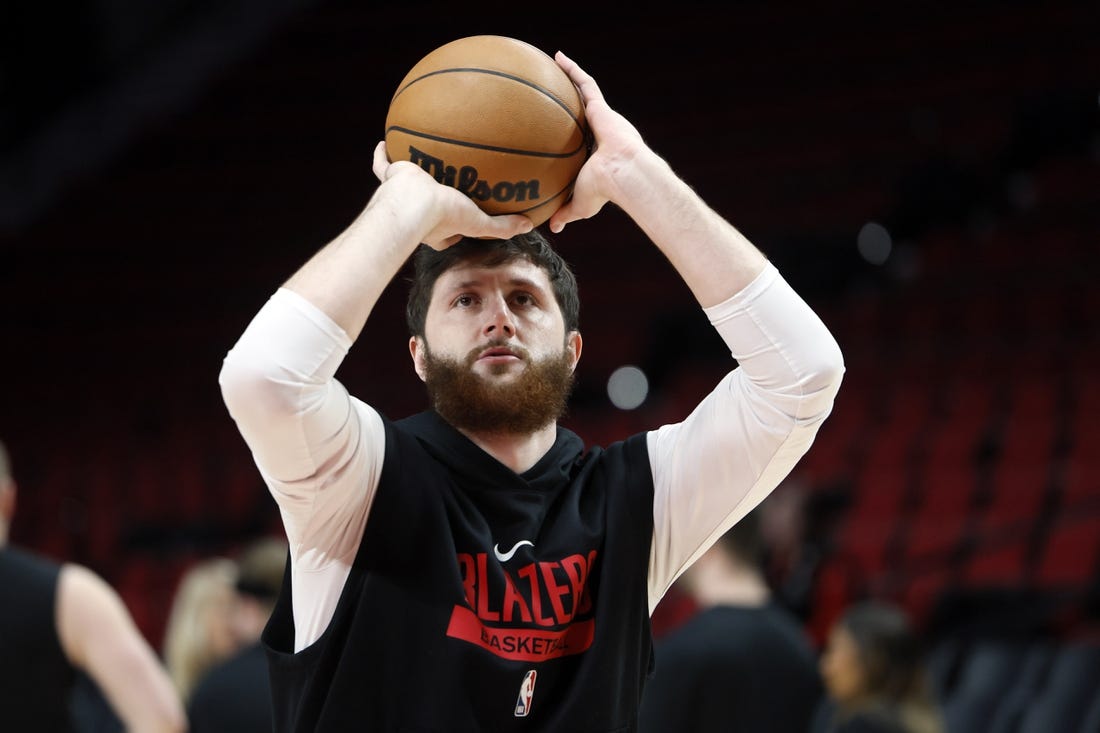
499 322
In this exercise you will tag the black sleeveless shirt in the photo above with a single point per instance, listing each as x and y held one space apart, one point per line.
481 599
36 679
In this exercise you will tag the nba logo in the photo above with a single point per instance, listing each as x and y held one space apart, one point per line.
526 692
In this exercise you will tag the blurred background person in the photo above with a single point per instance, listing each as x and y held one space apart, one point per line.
742 661
59 621
235 695
874 674
199 632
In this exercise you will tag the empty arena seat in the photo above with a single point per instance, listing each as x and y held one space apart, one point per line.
1071 687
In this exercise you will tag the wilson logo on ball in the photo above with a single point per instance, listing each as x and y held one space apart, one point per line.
466 180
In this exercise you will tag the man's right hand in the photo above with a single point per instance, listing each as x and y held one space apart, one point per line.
443 214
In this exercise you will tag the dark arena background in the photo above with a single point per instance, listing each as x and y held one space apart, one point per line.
926 176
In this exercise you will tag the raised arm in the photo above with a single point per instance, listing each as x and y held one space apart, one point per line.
745 437
318 449
99 636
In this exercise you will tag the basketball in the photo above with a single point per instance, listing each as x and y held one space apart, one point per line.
495 118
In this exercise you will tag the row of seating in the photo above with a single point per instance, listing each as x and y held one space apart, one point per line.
1013 685
964 444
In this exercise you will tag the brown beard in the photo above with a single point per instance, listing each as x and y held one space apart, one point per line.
534 399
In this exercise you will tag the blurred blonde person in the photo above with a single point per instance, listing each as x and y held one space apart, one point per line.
58 618
235 695
199 632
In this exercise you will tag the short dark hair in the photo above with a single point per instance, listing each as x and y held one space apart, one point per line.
743 541
429 264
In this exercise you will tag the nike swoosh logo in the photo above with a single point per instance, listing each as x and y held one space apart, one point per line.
506 556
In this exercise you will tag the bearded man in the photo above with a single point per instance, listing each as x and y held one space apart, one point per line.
474 567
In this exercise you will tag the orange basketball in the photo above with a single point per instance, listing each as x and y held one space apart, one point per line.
497 119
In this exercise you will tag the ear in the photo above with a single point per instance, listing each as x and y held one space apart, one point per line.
573 342
417 349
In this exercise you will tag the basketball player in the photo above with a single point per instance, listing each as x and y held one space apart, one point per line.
56 620
472 568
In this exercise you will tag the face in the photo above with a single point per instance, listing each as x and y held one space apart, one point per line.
842 668
494 350
218 615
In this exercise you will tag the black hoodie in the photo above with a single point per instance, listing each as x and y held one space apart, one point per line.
481 599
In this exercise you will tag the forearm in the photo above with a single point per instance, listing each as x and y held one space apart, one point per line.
139 690
713 258
346 278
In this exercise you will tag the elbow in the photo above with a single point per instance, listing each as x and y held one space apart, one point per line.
239 386
833 371
263 396
252 394
821 384
826 372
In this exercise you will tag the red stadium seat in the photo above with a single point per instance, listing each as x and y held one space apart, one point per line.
1070 557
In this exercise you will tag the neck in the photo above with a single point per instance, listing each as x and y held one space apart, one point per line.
742 592
517 452
724 584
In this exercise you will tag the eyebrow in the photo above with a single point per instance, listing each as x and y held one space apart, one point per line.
522 282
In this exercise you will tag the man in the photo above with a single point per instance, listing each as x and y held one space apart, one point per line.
742 662
471 568
235 695
57 621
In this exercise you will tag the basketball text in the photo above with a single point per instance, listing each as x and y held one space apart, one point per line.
466 179
540 611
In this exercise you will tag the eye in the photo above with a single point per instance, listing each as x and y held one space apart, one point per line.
524 300
464 301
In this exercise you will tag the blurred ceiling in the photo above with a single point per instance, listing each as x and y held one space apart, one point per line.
76 86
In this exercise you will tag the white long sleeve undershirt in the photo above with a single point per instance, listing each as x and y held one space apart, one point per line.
320 450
